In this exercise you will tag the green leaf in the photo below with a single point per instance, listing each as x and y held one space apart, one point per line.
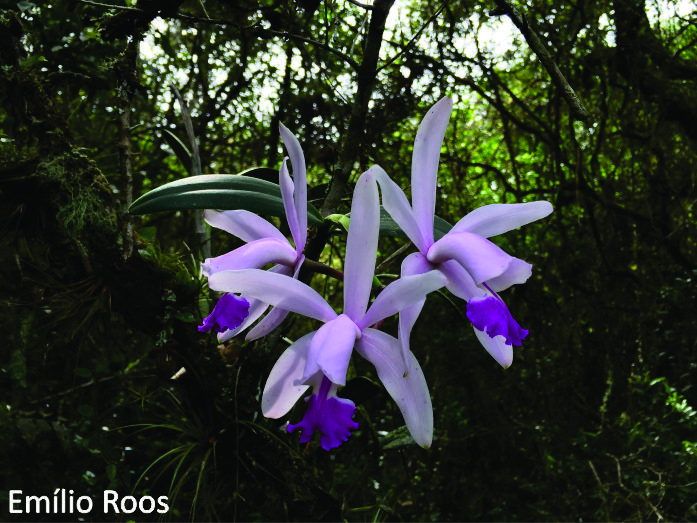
340 219
32 60
440 227
388 227
111 471
17 369
83 372
218 191
185 317
180 150
23 5
397 439
147 233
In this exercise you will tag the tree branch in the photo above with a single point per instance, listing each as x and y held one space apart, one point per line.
365 80
367 73
414 38
201 232
358 4
506 7
125 89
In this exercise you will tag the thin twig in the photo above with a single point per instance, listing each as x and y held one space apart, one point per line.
358 4
258 31
392 256
414 38
109 6
321 268
350 61
365 80
89 383
506 7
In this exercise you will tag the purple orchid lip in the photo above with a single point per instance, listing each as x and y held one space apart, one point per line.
489 314
328 415
228 313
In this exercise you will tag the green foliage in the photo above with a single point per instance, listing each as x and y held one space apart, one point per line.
218 191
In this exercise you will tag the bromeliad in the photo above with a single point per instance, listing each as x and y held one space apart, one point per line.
475 268
320 359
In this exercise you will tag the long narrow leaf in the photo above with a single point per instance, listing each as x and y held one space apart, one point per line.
168 453
217 191
388 227
180 150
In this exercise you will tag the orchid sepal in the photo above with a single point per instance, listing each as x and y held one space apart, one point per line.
409 390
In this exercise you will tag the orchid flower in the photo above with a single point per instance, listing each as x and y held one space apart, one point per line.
265 244
320 359
476 269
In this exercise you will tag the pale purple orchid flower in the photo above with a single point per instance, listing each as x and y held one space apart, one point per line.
265 244
476 269
320 359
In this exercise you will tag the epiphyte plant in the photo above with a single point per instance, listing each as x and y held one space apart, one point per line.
463 260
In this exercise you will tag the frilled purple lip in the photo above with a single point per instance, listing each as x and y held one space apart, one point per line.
327 414
228 313
490 314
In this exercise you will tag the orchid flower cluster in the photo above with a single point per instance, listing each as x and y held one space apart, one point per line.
464 261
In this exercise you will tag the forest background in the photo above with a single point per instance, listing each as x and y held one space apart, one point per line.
595 419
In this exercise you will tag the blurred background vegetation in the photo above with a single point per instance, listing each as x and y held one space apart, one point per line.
595 420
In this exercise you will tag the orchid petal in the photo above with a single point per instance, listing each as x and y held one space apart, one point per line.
252 255
275 289
401 294
415 263
424 165
272 320
460 283
482 259
407 319
361 245
287 190
297 160
243 224
409 391
497 347
518 271
331 349
256 309
498 218
397 206
275 316
282 389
